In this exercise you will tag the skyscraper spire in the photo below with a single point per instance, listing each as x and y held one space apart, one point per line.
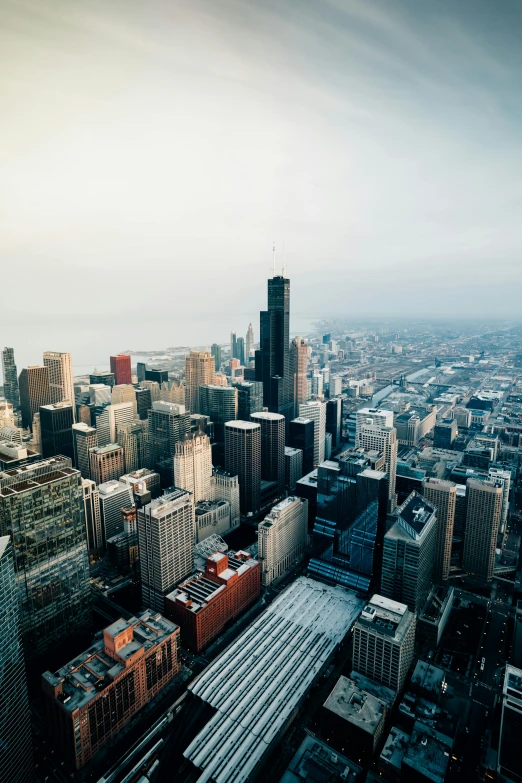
273 260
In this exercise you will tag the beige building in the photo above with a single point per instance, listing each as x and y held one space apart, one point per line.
299 353
316 410
60 377
124 392
106 463
173 391
484 509
193 467
200 370
373 437
442 494
282 538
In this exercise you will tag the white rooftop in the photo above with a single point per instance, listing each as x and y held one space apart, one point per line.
242 425
267 415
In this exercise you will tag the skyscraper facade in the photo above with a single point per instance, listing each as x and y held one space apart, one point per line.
249 398
373 437
56 421
272 447
168 424
106 463
333 421
193 466
483 514
133 437
11 392
442 494
60 376
216 353
282 538
509 756
84 439
249 344
273 366
220 403
243 459
124 392
42 511
35 391
301 436
121 367
93 522
316 410
16 747
200 368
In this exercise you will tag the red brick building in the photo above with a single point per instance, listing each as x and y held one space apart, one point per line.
204 604
121 367
90 699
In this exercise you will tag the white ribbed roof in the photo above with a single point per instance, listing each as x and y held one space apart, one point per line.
258 681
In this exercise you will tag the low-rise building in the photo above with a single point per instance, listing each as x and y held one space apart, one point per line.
212 518
354 719
89 700
202 605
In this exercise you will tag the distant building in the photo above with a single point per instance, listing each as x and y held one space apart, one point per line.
316 410
223 486
243 459
93 522
56 422
60 377
110 418
121 368
444 433
293 467
301 436
373 437
442 494
215 350
249 344
157 375
168 424
372 417
353 718
199 371
124 392
113 495
282 538
11 392
249 398
333 421
133 437
85 438
89 700
220 404
483 514
143 402
299 358
106 463
35 391
414 424
203 604
106 378
383 642
143 479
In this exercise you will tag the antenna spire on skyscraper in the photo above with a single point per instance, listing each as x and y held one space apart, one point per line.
273 260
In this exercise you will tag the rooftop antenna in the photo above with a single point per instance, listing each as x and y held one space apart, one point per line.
273 260
283 267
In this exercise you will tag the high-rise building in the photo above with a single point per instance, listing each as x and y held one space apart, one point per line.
335 386
143 403
60 376
504 478
301 436
233 346
371 417
333 421
143 481
383 642
124 392
293 467
121 367
317 384
249 398
16 747
109 418
509 757
373 437
272 447
249 344
85 438
153 388
408 553
220 404
444 433
106 463
243 458
215 350
11 392
299 359
240 348
483 513
273 366
316 410
141 369
100 394
105 378
133 437
200 368
223 486
442 494
41 509
56 421
114 495
93 522
166 538
282 538
173 391
35 391
168 424
157 375
193 466
143 651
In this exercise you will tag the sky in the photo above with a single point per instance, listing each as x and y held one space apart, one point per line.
152 153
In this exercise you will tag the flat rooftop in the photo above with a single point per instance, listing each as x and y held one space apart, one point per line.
386 617
356 706
237 424
428 756
35 474
105 449
395 748
267 416
415 513
315 762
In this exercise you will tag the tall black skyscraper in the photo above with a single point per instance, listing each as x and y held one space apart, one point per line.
273 366
11 392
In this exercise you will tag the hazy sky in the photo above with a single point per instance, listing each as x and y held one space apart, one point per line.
152 151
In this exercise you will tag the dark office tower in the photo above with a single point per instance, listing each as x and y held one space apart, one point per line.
509 757
326 338
301 436
168 423
483 512
84 438
107 378
143 403
243 459
233 345
216 353
272 447
141 369
443 494
35 390
240 349
444 433
56 423
220 403
41 509
11 392
16 749
333 421
159 376
121 367
273 366
249 398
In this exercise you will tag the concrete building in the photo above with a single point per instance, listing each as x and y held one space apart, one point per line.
106 463
223 486
408 553
353 718
56 435
123 547
60 376
41 509
444 433
193 466
442 494
383 642
392 754
85 438
7 413
504 477
243 459
173 391
371 417
204 604
299 357
333 421
272 447
336 386
483 513
249 398
133 437
110 418
114 495
93 522
143 403
212 518
220 404
316 410
282 538
293 467
168 424
166 538
121 368
105 378
199 371
153 388
16 750
412 425
215 350
509 757
141 480
124 392
11 391
89 700
372 437
35 390
301 436
314 758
